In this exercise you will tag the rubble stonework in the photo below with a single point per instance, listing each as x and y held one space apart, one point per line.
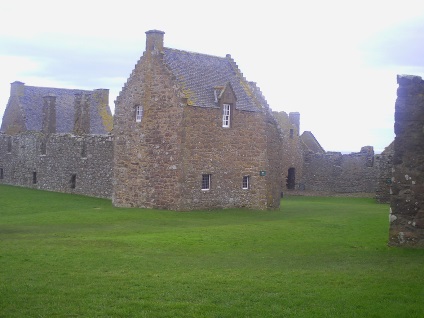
384 178
58 162
292 157
340 173
407 199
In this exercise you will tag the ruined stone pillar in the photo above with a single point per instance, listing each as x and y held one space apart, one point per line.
407 200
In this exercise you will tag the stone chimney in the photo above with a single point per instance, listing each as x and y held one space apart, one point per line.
17 88
295 120
49 114
154 41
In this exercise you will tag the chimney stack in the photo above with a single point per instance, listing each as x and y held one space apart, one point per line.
17 88
154 41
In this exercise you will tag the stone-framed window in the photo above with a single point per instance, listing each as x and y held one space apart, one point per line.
206 182
246 182
138 113
226 115
1 173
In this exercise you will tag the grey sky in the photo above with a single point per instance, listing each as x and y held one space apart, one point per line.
333 61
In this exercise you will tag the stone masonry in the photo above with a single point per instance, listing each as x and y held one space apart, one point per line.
407 200
58 162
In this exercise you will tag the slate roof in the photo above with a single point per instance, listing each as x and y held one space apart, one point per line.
31 103
199 74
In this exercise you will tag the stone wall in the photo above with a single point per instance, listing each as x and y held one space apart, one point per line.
292 156
407 200
148 168
340 173
384 178
58 162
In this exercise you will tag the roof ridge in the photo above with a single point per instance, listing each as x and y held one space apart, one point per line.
197 53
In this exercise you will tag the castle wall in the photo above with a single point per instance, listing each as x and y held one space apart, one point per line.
384 179
407 200
340 173
58 162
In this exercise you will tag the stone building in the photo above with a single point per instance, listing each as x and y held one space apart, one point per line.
57 139
192 133
407 199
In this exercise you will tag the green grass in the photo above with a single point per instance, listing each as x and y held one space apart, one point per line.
72 256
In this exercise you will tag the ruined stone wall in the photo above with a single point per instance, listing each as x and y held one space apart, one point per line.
58 162
384 178
342 173
407 200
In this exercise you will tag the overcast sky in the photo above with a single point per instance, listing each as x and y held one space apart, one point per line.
335 62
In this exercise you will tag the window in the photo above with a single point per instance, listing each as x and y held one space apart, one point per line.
1 173
206 181
34 177
138 114
226 113
246 182
291 133
73 181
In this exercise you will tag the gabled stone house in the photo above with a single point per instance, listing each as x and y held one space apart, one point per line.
190 132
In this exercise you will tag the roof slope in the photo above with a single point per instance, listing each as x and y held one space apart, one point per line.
199 75
31 102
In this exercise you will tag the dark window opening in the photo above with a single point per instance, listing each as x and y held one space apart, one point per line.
1 173
291 178
73 181
34 177
291 133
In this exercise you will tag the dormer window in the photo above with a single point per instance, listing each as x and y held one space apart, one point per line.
226 115
138 114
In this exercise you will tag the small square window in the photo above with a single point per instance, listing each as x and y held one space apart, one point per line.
206 181
246 182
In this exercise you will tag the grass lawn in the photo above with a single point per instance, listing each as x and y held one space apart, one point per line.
63 255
